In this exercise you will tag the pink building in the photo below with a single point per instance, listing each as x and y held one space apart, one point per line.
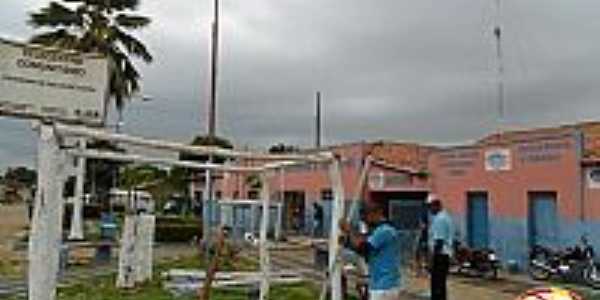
507 191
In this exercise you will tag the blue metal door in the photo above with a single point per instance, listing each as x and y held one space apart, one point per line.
478 230
543 219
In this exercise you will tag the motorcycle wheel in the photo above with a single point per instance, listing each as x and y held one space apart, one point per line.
591 275
455 268
538 273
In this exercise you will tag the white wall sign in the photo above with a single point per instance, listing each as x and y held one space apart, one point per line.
376 180
593 178
498 160
43 82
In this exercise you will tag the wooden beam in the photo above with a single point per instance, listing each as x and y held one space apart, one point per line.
335 175
180 147
265 261
76 230
155 160
46 226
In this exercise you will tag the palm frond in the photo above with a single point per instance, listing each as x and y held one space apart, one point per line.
131 21
55 15
131 76
132 44
112 4
60 38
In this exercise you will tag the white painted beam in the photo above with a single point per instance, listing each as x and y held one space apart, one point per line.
265 261
155 160
76 232
335 174
179 147
359 188
46 226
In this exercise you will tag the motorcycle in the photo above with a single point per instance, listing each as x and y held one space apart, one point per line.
591 269
571 264
475 262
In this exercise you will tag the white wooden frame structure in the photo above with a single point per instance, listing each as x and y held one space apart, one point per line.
45 236
253 204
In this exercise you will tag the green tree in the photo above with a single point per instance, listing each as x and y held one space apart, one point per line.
100 26
207 141
282 148
22 175
133 177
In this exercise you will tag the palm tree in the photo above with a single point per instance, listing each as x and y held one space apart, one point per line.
99 26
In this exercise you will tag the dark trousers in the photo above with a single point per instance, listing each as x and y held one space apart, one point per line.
439 275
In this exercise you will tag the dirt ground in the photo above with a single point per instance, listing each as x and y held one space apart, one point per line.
13 219
13 223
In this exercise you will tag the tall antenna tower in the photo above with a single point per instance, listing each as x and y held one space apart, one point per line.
500 64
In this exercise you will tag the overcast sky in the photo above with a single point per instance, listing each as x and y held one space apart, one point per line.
401 70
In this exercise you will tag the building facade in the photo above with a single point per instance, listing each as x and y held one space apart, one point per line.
507 191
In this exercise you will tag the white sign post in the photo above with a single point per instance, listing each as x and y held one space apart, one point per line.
48 83
45 236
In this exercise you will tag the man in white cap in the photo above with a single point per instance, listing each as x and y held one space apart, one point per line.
441 234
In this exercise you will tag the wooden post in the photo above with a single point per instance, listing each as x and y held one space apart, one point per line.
265 261
335 268
46 225
144 246
127 254
358 192
253 219
279 221
206 214
76 232
211 272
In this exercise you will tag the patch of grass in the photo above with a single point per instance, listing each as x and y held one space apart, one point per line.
237 263
103 288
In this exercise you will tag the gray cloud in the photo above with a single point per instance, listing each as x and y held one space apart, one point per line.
416 70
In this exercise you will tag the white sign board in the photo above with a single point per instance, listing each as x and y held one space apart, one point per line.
43 82
498 160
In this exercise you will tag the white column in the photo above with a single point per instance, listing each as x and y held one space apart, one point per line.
335 268
76 232
46 234
128 250
127 253
144 248
265 261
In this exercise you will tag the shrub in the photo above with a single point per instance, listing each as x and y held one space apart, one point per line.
177 229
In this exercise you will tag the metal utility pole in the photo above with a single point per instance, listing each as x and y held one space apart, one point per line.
212 109
500 66
207 211
318 122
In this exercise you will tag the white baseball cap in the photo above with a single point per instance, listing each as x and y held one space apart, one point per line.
432 197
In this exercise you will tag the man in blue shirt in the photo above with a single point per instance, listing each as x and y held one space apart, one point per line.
381 249
441 234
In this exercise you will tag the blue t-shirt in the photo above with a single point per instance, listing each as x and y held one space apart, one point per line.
384 258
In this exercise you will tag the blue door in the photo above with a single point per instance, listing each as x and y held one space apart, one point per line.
407 215
478 230
543 219
327 215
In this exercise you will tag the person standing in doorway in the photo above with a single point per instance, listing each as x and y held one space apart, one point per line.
441 234
381 249
317 220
